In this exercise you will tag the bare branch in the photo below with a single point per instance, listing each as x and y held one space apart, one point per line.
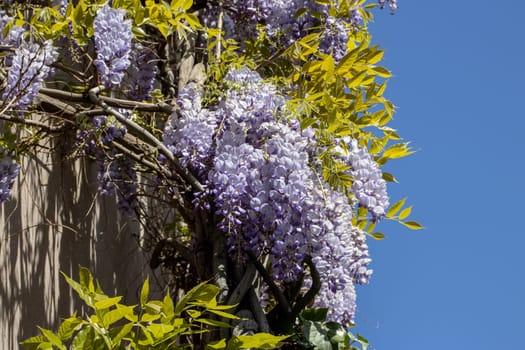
186 175
19 120
111 101
243 285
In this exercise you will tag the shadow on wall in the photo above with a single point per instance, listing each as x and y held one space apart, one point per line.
55 222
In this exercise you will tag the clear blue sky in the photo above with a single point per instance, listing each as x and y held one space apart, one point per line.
459 85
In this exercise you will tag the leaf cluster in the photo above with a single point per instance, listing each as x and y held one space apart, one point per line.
77 21
323 335
153 324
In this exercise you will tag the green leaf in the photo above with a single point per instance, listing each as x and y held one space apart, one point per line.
316 333
377 236
149 339
86 279
150 317
194 313
394 208
317 314
144 292
68 327
168 306
52 337
405 213
128 311
336 332
398 150
223 314
202 292
45 346
300 12
33 342
217 345
159 330
153 307
107 303
113 316
382 72
82 293
214 323
85 339
118 333
413 225
389 177
375 56
257 341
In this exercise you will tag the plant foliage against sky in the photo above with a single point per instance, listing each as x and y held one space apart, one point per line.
261 127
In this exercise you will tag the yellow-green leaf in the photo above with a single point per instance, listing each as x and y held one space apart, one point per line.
397 151
405 213
394 208
53 338
144 292
377 236
413 225
107 303
257 341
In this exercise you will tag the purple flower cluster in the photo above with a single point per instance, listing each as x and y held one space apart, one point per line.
9 170
369 187
261 177
190 136
256 166
392 4
287 21
14 36
335 37
30 66
118 175
61 5
341 258
113 44
141 73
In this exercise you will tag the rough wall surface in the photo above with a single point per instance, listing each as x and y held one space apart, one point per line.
55 222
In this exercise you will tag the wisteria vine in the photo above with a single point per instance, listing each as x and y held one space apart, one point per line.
269 195
260 175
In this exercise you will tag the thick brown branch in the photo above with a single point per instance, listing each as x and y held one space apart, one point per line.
277 293
19 120
56 106
243 285
111 101
258 311
312 292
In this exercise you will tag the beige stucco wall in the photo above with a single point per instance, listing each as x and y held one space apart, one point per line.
55 222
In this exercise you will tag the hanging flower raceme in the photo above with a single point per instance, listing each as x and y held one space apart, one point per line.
9 170
30 66
392 4
369 187
14 36
255 163
113 44
141 73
